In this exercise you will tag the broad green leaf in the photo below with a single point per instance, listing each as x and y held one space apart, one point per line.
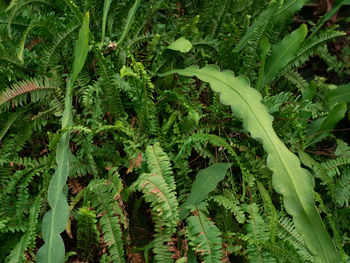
290 7
340 94
181 44
54 221
205 182
289 179
106 6
81 48
281 54
320 128
129 21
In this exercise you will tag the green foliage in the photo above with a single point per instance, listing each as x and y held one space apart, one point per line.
204 236
290 179
28 239
283 52
87 233
158 187
206 181
55 220
129 166
109 214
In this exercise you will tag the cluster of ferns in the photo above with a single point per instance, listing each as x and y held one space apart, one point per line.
174 131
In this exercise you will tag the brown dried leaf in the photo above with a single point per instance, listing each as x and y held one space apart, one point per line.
135 258
74 186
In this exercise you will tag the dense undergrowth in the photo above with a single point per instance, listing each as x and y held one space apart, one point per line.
174 131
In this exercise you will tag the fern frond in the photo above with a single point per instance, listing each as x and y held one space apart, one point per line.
257 235
219 9
258 28
108 212
297 79
159 188
19 5
342 188
87 233
17 94
309 47
273 103
230 203
75 10
27 240
287 233
159 163
204 237
161 247
110 82
51 51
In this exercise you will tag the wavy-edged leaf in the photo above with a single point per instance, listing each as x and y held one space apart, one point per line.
55 220
205 182
289 179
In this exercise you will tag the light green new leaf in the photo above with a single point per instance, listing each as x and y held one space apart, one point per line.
289 179
181 44
281 54
206 181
